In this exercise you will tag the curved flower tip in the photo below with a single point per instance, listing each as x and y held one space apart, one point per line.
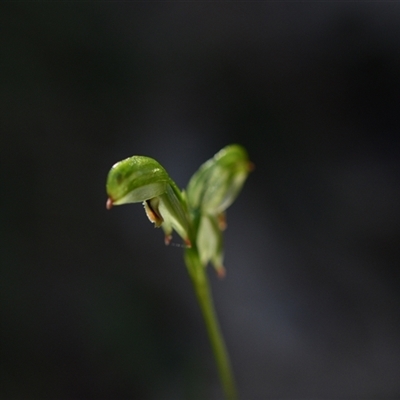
221 272
109 203
250 166
221 219
167 239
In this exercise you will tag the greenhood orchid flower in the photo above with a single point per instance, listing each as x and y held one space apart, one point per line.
211 190
142 179
217 183
197 215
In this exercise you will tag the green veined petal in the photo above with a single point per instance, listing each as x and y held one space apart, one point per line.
217 183
143 179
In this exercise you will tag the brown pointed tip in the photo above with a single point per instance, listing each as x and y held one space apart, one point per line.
167 239
188 243
250 166
221 219
109 203
221 272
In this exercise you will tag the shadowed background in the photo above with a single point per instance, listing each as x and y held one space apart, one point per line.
94 305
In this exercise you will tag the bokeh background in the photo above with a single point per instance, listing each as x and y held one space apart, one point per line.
94 306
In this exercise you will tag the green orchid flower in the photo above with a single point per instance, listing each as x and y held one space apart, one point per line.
140 179
197 215
217 183
211 190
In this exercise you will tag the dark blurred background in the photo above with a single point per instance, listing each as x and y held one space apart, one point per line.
94 306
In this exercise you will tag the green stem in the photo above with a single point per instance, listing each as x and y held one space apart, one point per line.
200 282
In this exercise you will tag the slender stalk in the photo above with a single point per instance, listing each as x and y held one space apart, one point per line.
202 288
